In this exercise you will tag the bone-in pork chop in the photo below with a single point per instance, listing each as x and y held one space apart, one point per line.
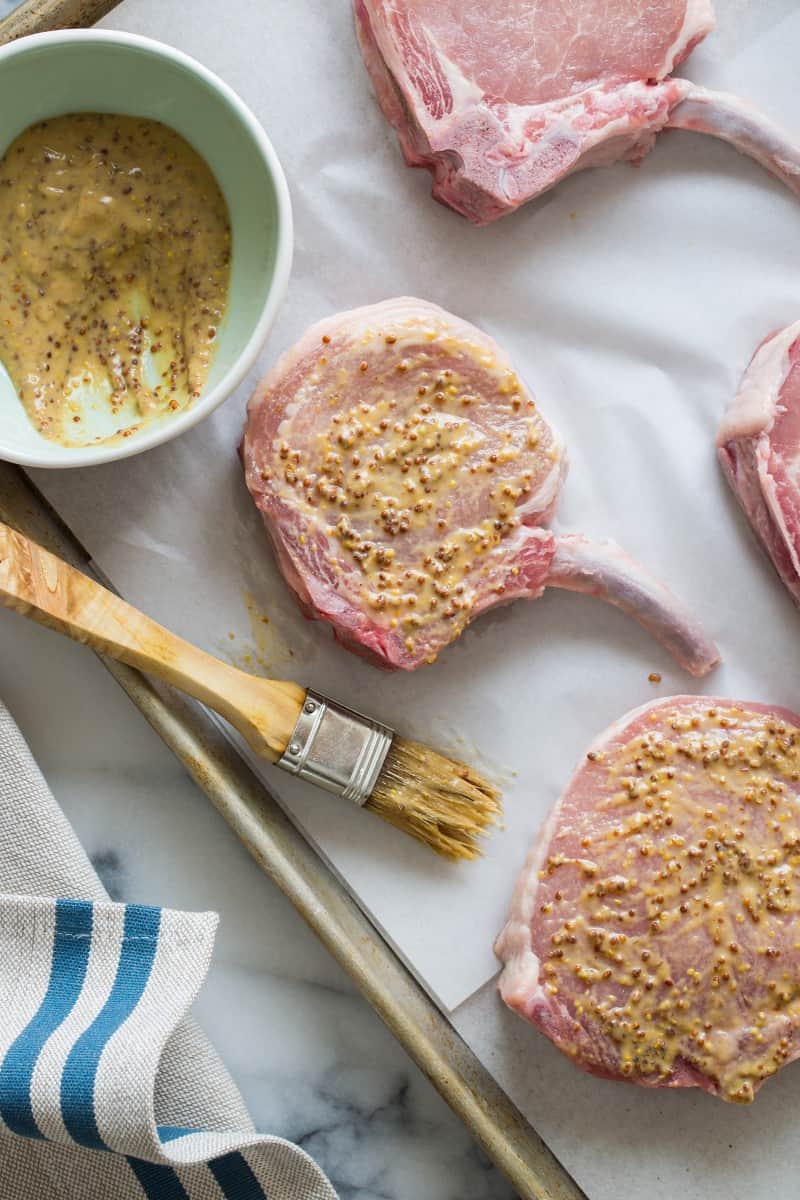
501 99
654 933
405 474
759 448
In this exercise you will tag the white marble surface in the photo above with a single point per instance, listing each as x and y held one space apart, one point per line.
312 1060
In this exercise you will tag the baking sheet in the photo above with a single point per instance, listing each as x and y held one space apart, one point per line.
630 300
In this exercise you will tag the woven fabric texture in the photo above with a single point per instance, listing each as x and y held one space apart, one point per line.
107 1087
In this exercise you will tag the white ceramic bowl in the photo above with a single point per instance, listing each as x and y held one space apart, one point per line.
104 71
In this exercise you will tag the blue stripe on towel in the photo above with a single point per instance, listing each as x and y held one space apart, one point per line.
138 951
168 1133
158 1183
234 1176
71 945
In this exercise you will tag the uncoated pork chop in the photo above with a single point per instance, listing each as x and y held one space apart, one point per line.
501 99
405 474
758 443
653 934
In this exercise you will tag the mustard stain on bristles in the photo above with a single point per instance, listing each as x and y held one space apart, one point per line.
441 802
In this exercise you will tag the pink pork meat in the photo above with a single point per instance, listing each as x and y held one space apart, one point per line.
653 933
405 476
502 99
759 448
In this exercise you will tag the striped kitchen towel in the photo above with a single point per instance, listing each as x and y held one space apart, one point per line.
107 1090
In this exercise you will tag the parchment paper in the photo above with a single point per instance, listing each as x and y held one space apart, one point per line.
631 302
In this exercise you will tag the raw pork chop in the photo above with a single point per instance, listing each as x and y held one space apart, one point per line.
653 933
404 474
501 99
759 447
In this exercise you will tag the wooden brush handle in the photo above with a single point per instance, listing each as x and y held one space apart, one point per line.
47 589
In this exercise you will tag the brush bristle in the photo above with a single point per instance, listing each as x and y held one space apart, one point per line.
442 803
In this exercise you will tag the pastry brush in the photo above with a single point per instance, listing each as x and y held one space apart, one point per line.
442 803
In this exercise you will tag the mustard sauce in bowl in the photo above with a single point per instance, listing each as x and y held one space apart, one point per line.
57 90
114 274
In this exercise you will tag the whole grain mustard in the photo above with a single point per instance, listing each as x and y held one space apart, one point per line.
114 273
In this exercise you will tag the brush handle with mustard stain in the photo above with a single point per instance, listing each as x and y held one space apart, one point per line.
442 803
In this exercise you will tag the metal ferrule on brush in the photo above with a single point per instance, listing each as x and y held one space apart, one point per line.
337 749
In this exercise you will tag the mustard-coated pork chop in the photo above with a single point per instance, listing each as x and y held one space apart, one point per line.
654 931
405 476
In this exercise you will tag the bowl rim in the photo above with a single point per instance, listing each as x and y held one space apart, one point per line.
94 455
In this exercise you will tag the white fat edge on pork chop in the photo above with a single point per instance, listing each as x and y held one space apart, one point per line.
750 453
